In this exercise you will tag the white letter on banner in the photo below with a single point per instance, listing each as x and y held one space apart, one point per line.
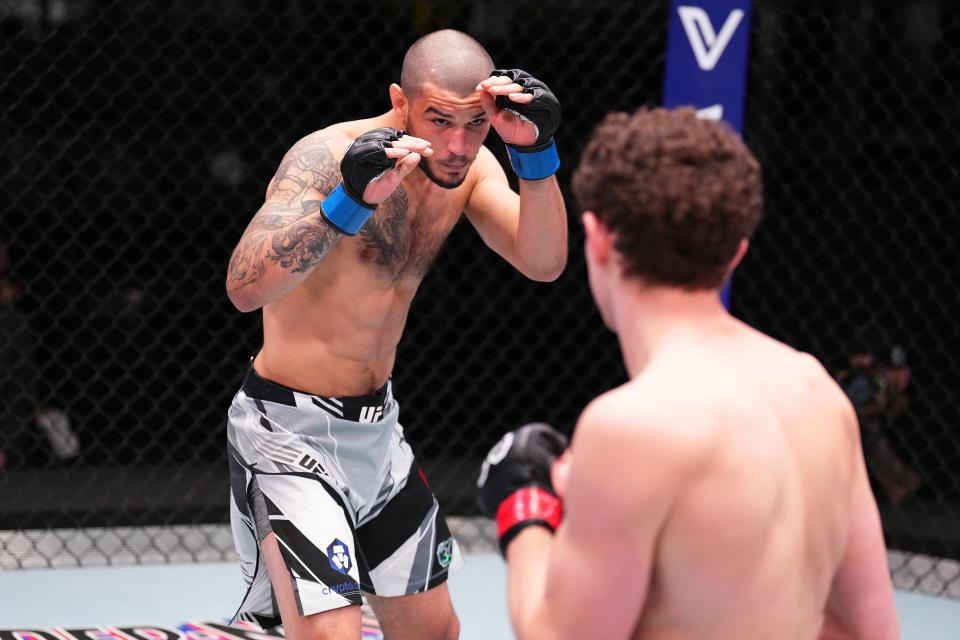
709 46
713 112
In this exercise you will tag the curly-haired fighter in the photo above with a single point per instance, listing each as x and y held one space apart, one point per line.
720 492
327 499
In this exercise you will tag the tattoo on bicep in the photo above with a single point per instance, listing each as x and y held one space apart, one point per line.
310 164
283 231
310 206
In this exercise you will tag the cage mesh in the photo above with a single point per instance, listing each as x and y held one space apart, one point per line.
136 142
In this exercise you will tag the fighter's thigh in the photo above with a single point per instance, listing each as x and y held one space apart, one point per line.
427 615
335 624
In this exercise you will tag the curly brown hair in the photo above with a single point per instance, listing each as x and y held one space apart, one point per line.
677 191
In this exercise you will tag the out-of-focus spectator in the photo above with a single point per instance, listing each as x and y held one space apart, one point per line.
877 385
28 433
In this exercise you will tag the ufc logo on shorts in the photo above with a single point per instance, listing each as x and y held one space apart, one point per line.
371 414
707 44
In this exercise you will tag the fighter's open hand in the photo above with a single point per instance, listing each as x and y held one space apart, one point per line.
376 162
521 108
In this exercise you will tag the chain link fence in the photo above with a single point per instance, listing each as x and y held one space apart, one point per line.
136 142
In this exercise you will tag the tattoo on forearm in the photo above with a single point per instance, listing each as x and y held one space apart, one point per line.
245 265
286 230
302 246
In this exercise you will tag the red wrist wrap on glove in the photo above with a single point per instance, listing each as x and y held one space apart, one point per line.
532 503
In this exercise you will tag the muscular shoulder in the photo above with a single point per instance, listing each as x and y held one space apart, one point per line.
485 157
310 168
630 441
341 134
329 143
642 422
489 191
778 373
486 166
815 386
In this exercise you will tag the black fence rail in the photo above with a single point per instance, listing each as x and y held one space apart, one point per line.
137 139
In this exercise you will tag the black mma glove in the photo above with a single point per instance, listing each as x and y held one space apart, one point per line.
540 159
514 486
364 160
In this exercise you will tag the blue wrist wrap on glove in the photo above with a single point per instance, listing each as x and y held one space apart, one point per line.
345 213
534 165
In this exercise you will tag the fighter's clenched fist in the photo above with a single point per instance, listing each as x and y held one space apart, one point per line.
514 486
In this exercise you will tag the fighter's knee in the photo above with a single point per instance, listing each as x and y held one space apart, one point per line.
446 629
452 631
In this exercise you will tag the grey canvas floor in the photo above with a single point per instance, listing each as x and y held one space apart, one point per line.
172 595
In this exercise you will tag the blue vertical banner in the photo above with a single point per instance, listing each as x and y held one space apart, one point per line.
707 62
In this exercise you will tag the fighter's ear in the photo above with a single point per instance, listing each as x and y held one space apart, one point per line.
599 240
400 103
741 251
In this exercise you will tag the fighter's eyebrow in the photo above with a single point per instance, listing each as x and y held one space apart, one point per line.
478 114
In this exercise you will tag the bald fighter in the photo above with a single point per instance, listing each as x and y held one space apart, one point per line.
719 493
327 500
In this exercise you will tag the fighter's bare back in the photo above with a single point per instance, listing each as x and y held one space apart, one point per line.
760 460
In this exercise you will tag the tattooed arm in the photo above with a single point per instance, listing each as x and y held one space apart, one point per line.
288 236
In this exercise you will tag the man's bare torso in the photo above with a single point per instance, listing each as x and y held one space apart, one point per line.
759 523
336 333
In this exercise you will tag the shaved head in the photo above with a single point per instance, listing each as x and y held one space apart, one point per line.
449 59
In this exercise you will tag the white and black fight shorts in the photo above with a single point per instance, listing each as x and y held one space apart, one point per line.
335 481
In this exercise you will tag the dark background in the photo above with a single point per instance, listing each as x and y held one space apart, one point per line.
137 139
